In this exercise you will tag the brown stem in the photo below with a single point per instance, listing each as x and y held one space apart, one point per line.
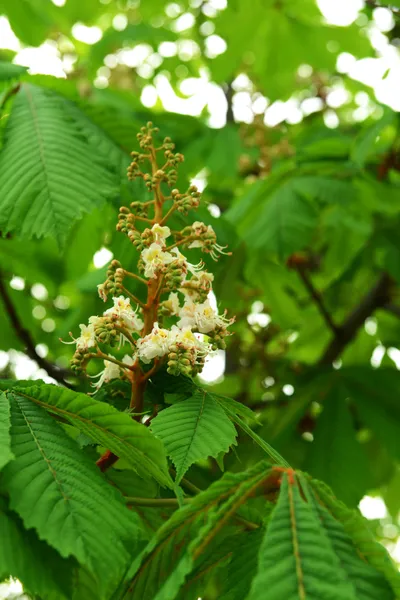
30 347
106 460
317 297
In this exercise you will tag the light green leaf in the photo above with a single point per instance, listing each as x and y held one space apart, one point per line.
24 556
59 492
108 427
365 141
194 429
284 224
49 174
5 440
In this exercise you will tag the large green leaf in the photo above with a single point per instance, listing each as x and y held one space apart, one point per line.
242 567
336 456
49 174
5 439
38 566
107 426
194 429
59 492
295 561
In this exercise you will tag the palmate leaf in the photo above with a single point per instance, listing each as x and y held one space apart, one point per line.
194 429
59 492
242 567
285 224
307 553
49 174
5 440
295 561
107 426
178 545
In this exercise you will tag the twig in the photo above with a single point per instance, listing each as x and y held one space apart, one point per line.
317 297
24 335
154 502
107 460
377 297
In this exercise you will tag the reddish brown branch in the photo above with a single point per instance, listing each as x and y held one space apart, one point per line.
24 335
107 460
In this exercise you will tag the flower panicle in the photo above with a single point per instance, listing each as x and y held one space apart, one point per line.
167 320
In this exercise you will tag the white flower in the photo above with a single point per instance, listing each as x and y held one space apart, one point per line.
201 317
124 312
207 240
188 340
87 339
129 360
110 371
160 233
154 345
154 259
172 303
187 265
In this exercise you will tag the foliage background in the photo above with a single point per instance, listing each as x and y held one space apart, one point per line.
300 167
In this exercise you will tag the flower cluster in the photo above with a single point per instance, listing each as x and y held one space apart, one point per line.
170 322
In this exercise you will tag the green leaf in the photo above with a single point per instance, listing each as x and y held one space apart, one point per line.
108 427
10 71
59 492
31 22
49 174
338 459
234 415
295 560
367 581
180 543
375 393
364 143
356 527
5 439
285 224
24 556
194 429
242 567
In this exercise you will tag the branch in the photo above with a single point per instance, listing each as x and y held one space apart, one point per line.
377 297
24 335
228 91
317 297
107 460
393 308
154 502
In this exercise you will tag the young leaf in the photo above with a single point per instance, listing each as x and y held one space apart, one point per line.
5 440
108 427
194 429
38 566
59 492
49 175
295 561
